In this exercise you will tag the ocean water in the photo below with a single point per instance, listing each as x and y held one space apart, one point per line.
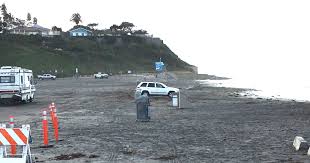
283 88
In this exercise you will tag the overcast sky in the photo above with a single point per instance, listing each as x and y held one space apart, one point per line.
222 37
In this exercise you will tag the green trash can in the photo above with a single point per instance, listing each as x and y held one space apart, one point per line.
142 106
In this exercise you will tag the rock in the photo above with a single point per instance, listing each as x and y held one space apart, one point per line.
300 143
127 150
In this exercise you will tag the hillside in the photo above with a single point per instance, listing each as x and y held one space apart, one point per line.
90 54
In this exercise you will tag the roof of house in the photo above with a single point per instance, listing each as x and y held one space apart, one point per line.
80 28
34 28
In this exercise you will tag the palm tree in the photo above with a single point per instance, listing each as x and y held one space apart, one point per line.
76 18
28 16
35 20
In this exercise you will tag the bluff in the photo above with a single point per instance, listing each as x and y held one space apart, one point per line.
111 54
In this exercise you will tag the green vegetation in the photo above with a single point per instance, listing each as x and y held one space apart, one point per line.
90 54
117 49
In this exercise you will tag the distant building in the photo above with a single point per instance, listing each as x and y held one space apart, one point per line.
34 30
54 33
80 31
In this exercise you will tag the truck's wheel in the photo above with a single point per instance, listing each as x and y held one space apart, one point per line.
145 93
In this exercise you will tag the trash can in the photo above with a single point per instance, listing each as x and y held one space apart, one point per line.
175 99
142 104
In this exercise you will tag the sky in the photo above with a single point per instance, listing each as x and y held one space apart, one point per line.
230 38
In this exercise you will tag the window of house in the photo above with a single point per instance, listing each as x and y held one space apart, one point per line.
22 79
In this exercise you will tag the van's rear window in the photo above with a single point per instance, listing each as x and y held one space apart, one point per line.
7 79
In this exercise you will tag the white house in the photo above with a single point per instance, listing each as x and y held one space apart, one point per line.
34 30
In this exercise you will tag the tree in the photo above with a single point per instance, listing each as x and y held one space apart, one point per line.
28 17
126 26
55 28
3 10
140 31
35 20
76 18
92 25
1 25
114 27
8 19
4 13
19 22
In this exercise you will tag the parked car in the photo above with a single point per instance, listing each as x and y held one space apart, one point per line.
46 76
100 75
16 84
155 89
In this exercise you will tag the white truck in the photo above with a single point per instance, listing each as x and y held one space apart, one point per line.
46 76
155 89
16 84
101 75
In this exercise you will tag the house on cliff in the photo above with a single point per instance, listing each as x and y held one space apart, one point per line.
80 32
34 30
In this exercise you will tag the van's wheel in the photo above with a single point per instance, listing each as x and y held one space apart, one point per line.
31 99
26 100
145 93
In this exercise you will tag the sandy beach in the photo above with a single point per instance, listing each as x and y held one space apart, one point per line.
98 123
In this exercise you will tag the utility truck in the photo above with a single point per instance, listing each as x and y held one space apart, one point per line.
101 75
16 85
46 76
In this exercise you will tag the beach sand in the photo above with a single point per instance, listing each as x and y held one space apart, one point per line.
98 123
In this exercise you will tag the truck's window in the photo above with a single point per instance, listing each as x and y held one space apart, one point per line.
159 85
7 79
151 85
143 85
28 78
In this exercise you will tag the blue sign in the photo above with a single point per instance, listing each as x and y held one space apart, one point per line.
159 66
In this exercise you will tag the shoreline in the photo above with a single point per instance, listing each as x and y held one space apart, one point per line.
250 92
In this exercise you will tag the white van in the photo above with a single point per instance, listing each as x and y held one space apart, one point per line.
16 84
